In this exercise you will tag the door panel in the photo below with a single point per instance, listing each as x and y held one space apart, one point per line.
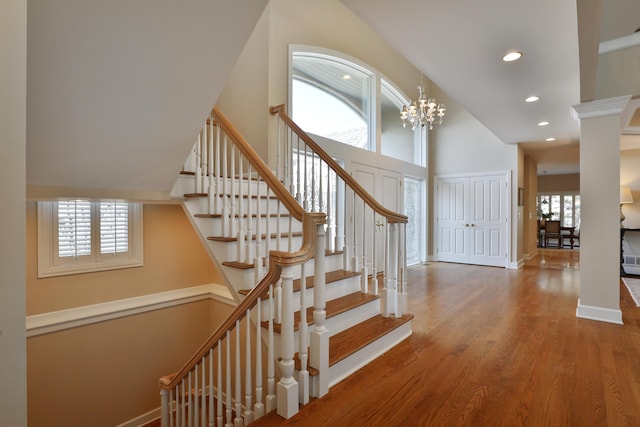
452 233
472 219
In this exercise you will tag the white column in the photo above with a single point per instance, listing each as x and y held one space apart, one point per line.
319 338
600 218
287 389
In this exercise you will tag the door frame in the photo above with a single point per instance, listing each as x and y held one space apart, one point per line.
508 210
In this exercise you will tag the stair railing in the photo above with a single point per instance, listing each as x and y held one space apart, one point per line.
207 390
368 233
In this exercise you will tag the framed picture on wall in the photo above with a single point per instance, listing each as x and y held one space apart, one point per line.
520 196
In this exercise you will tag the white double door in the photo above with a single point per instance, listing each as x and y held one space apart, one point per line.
472 219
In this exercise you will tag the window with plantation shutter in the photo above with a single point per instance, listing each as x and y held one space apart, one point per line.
114 227
74 228
79 236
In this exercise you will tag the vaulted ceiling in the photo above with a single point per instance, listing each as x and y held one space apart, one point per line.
459 45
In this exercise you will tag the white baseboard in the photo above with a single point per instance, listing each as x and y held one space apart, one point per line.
598 313
39 324
143 419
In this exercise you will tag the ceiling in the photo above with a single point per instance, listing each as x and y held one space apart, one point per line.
459 45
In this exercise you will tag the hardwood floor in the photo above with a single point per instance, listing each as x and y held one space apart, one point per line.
495 347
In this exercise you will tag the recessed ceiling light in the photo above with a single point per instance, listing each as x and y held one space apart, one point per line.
543 123
511 56
346 77
550 139
532 98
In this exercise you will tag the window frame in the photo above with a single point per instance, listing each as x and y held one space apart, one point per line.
50 264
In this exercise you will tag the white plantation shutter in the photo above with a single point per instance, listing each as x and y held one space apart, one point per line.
114 227
74 228
79 236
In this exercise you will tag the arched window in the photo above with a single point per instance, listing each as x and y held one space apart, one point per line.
344 100
331 98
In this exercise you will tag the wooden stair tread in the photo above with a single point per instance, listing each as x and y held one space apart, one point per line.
330 277
263 236
273 215
244 196
333 308
347 342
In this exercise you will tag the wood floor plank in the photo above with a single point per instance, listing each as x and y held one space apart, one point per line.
495 347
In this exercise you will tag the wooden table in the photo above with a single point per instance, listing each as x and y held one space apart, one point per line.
571 235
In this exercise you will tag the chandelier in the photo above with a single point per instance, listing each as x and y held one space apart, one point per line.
424 113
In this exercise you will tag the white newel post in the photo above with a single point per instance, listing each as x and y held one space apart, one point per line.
389 294
164 399
319 339
287 389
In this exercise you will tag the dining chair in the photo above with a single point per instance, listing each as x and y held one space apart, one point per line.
552 231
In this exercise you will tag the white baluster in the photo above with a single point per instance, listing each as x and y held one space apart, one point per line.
319 354
219 416
299 195
198 165
385 280
305 188
211 178
354 256
218 174
258 408
203 394
303 336
226 222
364 274
241 219
183 406
211 416
249 249
374 262
205 158
271 396
233 182
313 182
404 296
190 401
194 392
287 389
237 421
248 403
229 408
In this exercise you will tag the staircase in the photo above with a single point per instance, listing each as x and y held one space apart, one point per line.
268 243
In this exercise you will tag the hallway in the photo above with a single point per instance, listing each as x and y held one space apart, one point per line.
495 347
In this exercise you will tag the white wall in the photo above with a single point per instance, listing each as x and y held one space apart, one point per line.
463 145
13 121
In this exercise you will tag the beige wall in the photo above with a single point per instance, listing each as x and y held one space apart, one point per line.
174 258
13 100
464 145
530 232
559 183
106 373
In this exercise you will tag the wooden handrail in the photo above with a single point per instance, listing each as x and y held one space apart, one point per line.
391 216
263 170
277 259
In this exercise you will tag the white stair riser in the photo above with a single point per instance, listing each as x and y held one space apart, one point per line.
364 356
186 184
339 323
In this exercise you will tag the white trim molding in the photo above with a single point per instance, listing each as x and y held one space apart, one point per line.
598 313
54 321
600 108
620 43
